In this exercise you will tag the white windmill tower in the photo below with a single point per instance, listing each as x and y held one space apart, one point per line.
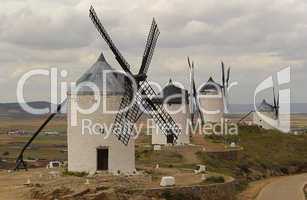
175 100
90 147
214 98
269 111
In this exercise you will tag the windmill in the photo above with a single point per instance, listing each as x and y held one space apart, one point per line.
267 112
225 85
267 109
214 97
124 121
144 94
175 99
194 101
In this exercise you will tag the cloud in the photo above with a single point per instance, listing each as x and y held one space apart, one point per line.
256 38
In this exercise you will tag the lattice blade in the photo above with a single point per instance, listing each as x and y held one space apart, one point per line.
196 97
150 47
228 77
223 74
119 57
125 120
162 118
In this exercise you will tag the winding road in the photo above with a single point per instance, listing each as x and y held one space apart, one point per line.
286 188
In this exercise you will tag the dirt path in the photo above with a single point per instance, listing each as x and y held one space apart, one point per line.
286 188
256 190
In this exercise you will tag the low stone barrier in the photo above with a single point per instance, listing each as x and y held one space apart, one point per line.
221 191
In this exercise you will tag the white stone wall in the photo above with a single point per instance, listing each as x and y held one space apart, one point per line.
82 155
211 103
257 120
181 118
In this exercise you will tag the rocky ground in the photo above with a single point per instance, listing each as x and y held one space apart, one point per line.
53 184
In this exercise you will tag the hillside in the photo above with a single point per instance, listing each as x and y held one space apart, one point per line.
14 110
245 108
265 153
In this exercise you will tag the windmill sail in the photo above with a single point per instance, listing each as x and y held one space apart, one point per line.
198 109
194 102
228 77
225 85
192 99
118 56
150 46
223 75
144 93
276 104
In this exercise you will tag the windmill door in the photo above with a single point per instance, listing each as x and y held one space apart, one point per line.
170 139
102 159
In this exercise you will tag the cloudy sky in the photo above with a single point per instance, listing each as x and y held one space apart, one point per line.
257 38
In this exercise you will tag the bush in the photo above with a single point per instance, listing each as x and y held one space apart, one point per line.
241 185
30 158
215 179
179 196
78 174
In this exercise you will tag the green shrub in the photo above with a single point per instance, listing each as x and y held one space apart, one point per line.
179 196
78 174
30 158
215 179
241 185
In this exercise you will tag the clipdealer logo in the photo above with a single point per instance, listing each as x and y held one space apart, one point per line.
282 119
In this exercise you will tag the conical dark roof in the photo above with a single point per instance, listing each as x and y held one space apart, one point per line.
172 94
265 107
211 87
112 82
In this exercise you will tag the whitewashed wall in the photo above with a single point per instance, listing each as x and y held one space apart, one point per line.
181 118
212 103
260 122
82 156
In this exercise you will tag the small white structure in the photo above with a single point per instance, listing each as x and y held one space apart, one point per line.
91 147
200 169
167 181
52 133
267 110
233 145
54 164
212 101
175 101
157 147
